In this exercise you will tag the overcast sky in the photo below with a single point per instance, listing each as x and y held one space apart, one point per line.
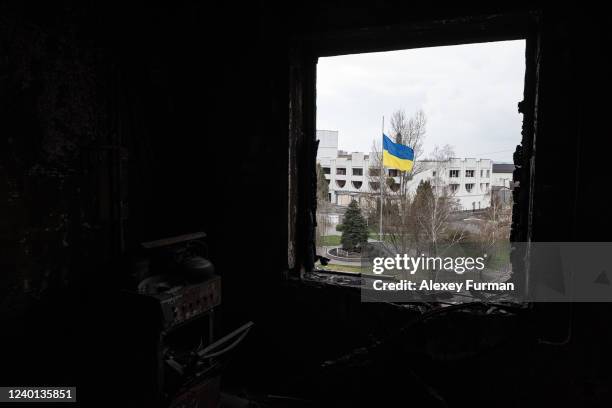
469 94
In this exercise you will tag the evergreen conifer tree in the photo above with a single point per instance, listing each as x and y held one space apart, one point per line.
355 228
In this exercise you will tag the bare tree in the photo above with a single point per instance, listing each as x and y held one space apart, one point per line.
437 162
422 222
496 223
396 202
323 205
443 153
409 131
397 218
322 188
432 210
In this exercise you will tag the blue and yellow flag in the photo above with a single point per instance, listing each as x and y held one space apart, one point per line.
397 156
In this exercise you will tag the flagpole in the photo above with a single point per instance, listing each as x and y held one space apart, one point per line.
381 180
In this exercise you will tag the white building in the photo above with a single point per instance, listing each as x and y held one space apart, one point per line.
348 175
502 175
502 181
469 180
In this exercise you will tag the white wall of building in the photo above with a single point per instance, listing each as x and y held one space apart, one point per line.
502 180
502 175
328 143
348 175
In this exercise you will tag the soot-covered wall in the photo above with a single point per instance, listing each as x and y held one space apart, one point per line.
122 124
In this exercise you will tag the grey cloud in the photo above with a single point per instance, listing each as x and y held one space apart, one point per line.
468 92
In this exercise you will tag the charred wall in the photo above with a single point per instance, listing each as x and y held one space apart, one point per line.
126 124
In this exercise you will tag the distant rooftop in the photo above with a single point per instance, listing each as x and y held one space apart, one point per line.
503 167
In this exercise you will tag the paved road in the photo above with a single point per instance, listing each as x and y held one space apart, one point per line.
337 262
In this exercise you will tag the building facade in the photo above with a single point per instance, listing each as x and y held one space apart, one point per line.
502 181
502 174
352 176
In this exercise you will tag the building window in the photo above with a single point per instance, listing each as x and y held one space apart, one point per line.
326 170
488 173
301 135
341 171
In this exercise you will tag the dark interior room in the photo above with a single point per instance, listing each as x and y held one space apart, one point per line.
128 129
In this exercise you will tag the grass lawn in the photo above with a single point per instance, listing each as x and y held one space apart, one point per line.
330 240
333 240
498 256
341 268
386 237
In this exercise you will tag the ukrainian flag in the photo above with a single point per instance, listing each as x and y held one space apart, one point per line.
397 156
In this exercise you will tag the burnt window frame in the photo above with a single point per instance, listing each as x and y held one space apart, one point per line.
307 48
